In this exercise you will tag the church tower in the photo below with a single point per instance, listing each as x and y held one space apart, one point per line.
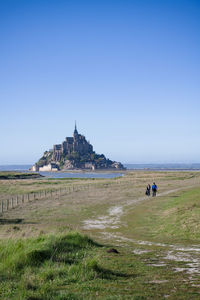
75 131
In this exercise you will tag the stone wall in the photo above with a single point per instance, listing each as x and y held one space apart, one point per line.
49 167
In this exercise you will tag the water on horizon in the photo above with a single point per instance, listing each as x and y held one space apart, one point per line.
25 168
164 166
153 167
80 175
15 167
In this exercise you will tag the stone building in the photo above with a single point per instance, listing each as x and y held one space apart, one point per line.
75 144
51 167
74 153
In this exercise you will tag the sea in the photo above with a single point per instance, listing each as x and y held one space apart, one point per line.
151 167
164 166
25 168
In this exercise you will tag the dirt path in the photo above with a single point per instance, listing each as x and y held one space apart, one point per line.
189 257
114 213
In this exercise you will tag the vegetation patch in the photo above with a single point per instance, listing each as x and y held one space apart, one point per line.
168 218
39 268
73 266
5 175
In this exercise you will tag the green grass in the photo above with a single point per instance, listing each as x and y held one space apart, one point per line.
168 218
73 266
5 175
30 184
40 267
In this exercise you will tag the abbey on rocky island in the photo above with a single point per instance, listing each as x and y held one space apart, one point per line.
74 153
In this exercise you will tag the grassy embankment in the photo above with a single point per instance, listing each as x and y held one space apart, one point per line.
43 268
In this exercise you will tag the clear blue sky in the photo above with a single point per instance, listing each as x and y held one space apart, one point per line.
127 71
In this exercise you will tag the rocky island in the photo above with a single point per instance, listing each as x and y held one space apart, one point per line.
74 153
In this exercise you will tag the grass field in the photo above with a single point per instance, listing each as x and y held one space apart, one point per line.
168 218
43 257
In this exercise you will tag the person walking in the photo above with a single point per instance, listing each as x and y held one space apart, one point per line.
148 190
154 189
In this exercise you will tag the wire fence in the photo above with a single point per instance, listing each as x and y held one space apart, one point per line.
16 200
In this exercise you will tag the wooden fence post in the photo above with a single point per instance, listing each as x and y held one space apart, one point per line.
7 204
2 206
12 203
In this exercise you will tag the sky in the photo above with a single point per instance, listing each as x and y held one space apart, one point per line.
127 71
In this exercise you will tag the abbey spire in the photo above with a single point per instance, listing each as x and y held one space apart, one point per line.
75 130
